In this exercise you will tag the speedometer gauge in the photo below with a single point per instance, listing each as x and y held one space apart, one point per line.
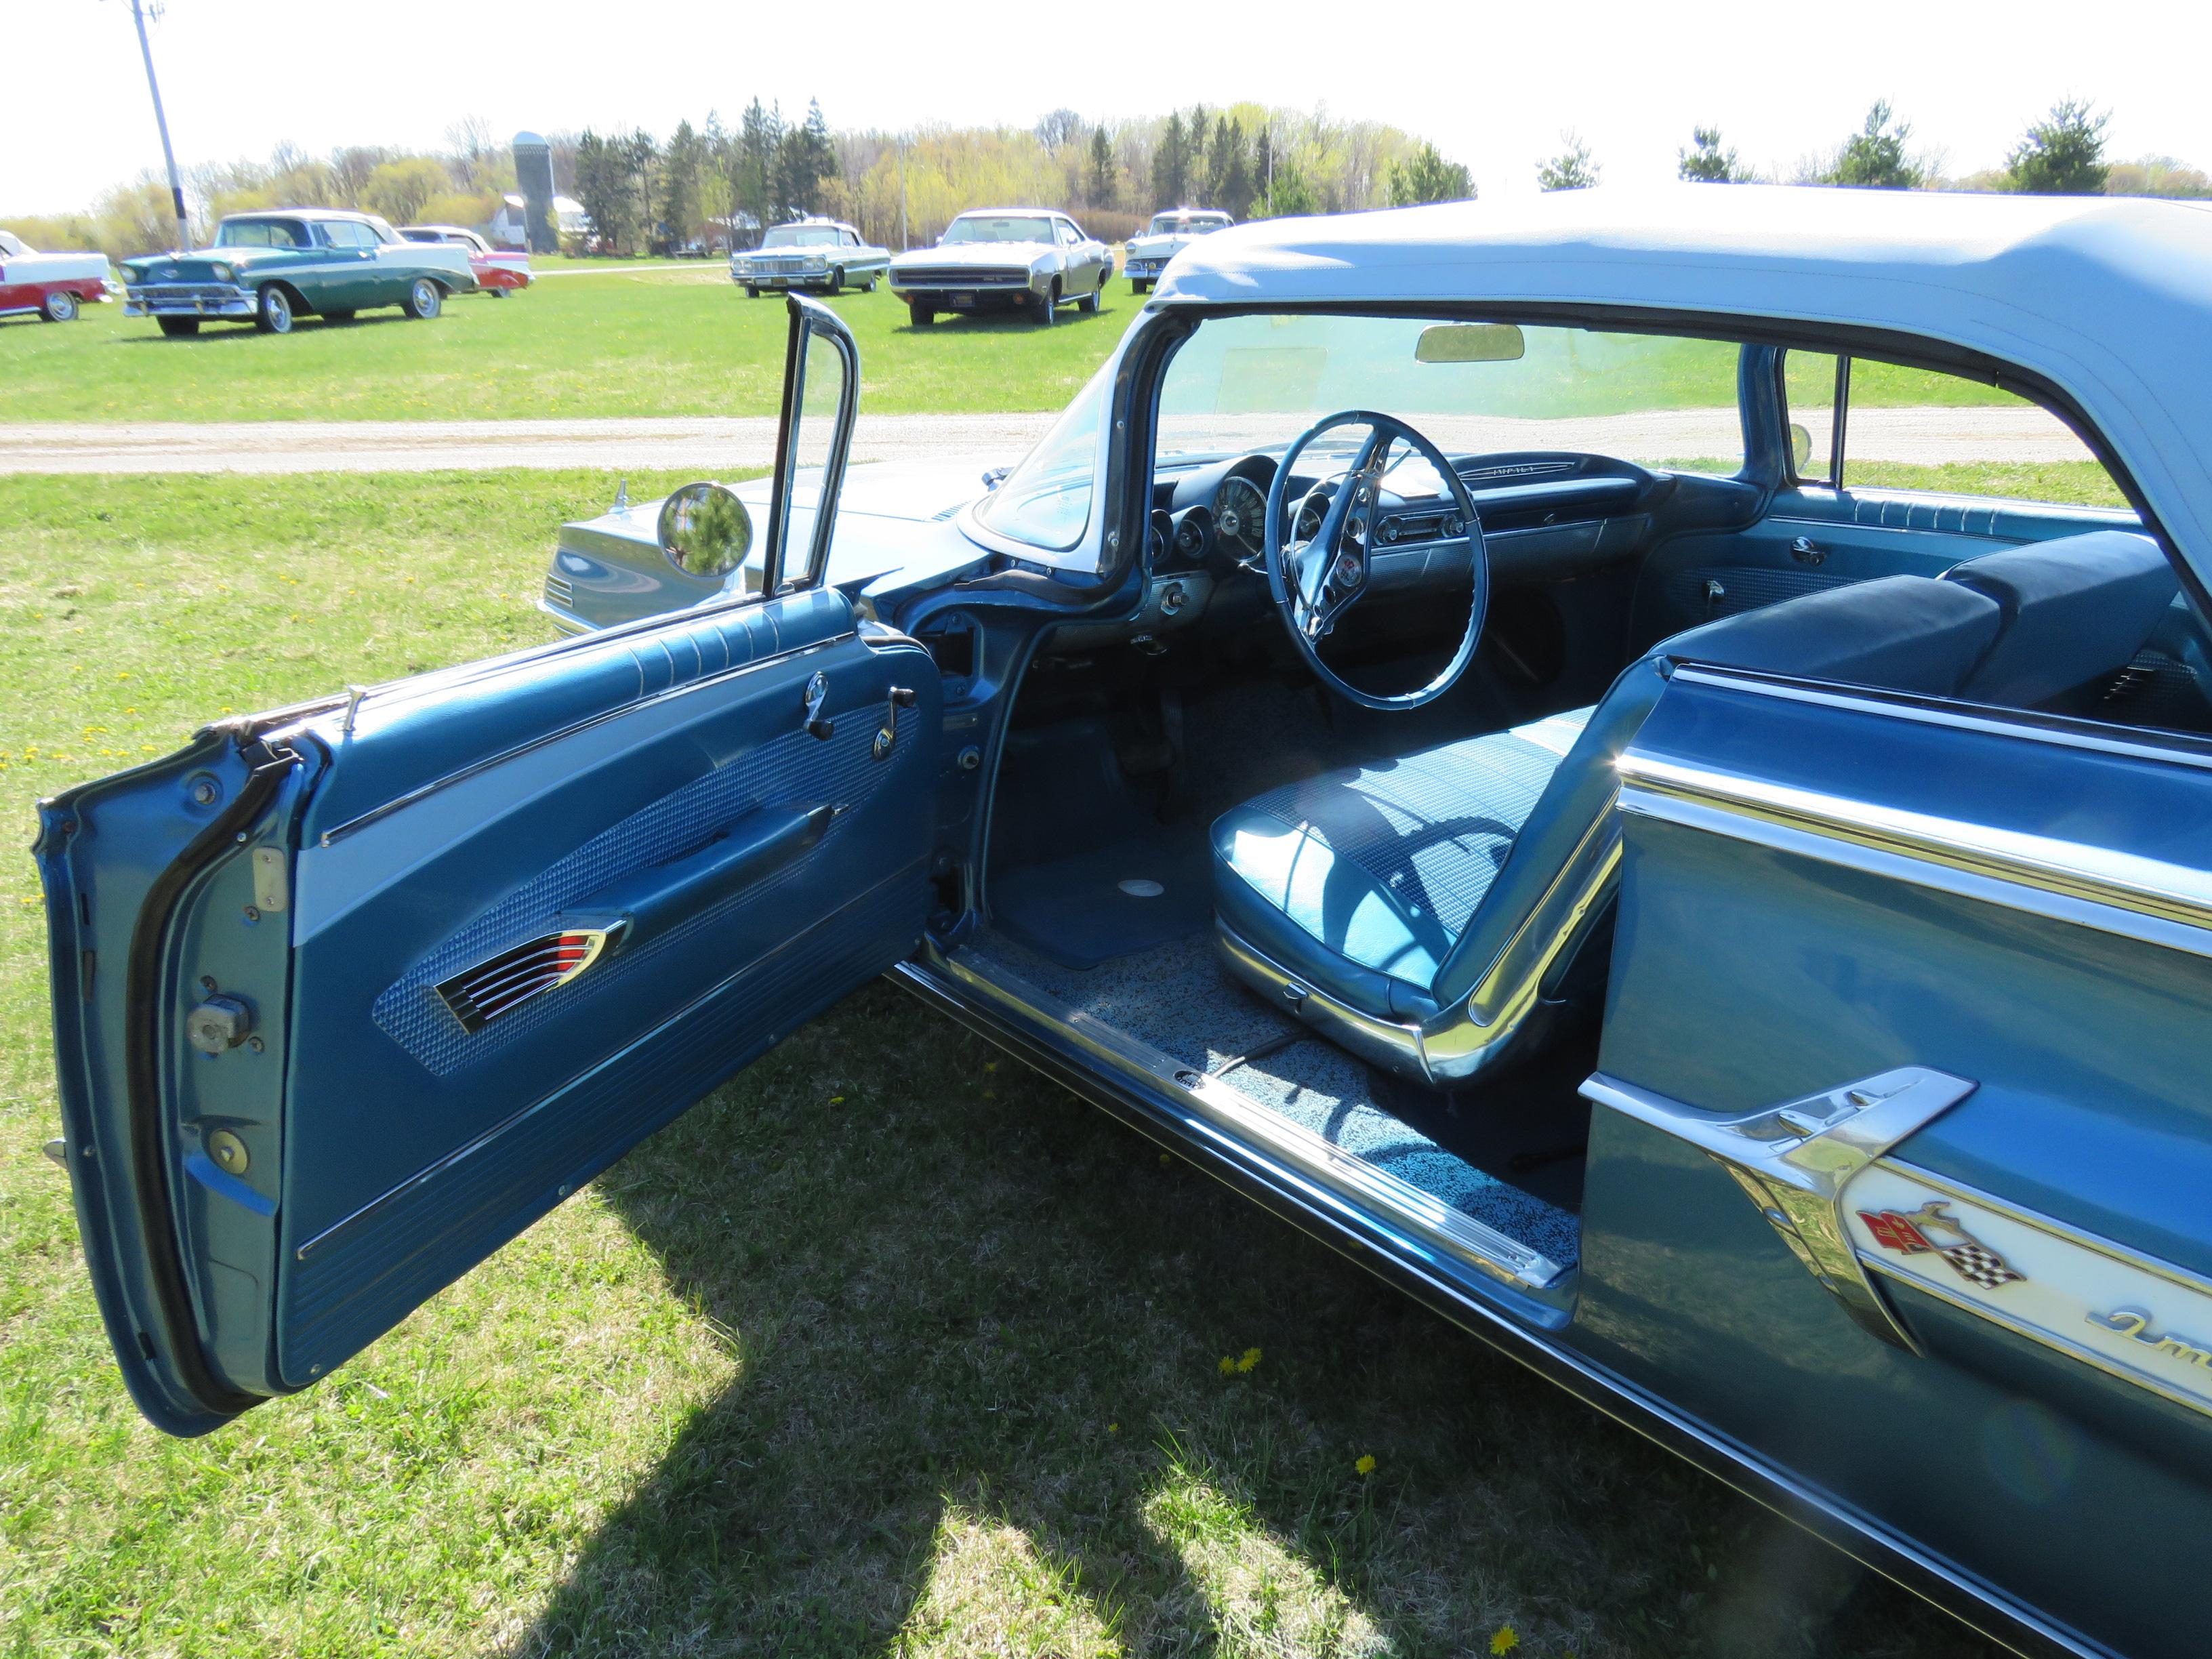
1239 510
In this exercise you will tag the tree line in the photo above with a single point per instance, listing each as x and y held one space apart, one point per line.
712 184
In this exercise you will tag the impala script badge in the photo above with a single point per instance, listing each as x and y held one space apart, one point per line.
1931 1228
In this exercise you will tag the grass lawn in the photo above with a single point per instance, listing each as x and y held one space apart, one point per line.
888 1347
683 342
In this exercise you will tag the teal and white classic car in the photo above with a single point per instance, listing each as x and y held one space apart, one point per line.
269 269
825 254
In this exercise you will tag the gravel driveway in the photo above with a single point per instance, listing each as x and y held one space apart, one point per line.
709 445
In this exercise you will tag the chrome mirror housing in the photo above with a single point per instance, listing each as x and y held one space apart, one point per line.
705 530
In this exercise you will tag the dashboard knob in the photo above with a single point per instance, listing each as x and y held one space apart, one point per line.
1452 525
1173 598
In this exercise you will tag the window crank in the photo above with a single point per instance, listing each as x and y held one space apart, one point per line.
817 693
902 697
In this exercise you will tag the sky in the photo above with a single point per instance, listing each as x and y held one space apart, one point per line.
1491 86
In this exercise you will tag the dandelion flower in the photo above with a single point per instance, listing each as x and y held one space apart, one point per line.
1113 1428
1365 1464
1251 1357
1504 1639
1227 1365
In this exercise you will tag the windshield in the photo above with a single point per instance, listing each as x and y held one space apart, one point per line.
260 233
801 236
1256 382
999 227
1170 224
1046 500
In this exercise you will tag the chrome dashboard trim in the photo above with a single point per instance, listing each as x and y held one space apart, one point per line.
2148 899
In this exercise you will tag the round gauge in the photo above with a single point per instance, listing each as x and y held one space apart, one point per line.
1239 510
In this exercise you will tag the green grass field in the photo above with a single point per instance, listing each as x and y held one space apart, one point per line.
593 341
683 341
888 1347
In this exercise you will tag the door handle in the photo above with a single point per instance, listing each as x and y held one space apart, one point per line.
1795 1159
642 906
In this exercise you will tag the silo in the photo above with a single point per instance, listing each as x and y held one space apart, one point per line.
533 173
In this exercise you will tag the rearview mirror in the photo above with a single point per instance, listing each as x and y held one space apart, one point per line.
705 530
1470 343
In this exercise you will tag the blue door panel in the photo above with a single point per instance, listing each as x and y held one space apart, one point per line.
1855 536
1756 966
476 1132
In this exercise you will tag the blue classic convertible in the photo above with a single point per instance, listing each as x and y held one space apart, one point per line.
1640 765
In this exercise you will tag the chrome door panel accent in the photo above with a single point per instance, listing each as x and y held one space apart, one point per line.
1795 1160
2152 900
2145 1321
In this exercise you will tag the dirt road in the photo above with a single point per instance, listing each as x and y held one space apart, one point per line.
706 446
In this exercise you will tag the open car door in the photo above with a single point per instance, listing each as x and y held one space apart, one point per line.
1901 1144
348 995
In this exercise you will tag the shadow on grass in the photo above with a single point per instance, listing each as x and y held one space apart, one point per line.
979 1404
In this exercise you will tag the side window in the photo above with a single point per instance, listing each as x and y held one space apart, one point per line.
1860 423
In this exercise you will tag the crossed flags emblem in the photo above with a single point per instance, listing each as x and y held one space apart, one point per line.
1932 1228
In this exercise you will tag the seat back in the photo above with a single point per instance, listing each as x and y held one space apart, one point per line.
2075 609
1901 633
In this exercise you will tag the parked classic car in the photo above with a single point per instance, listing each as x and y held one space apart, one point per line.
270 268
1168 235
499 272
821 254
52 285
991 258
1463 730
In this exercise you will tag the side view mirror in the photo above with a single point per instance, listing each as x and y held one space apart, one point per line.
705 530
1801 447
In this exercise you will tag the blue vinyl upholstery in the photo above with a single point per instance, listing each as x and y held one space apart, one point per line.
1393 887
2074 609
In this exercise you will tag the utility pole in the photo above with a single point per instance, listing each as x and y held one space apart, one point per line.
903 243
169 154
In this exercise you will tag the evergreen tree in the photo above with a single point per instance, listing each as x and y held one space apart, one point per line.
2062 155
639 156
1706 162
603 186
1291 196
1102 168
760 136
1229 170
1425 176
1874 157
1570 169
679 184
1197 181
802 160
1263 165
1171 165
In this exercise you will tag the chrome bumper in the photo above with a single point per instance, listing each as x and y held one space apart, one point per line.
188 300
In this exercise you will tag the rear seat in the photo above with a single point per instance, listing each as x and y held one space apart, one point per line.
2074 610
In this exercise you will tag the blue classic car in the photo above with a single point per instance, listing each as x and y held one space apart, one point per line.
825 254
1499 731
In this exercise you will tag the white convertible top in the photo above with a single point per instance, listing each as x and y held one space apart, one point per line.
2108 297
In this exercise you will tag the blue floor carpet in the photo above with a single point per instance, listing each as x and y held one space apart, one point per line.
1178 997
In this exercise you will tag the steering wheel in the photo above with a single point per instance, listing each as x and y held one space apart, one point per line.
1316 580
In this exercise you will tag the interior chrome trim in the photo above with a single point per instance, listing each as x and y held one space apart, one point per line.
461 773
1474 1033
2161 903
1795 1160
1227 1111
2027 724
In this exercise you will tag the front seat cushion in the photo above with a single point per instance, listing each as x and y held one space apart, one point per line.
1382 865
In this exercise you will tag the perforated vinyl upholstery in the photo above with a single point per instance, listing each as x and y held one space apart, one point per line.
1392 888
2075 609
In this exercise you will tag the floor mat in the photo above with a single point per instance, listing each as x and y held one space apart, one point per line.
1124 900
1179 999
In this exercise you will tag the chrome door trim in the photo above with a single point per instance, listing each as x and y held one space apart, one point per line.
2027 725
2065 1233
2147 899
1795 1160
485 763
1965 1596
1224 1110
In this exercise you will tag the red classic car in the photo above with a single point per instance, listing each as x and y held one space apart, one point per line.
51 285
497 274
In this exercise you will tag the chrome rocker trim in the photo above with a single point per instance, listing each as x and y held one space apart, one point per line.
1144 1105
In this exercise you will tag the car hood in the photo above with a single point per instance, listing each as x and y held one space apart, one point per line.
1162 247
975 253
